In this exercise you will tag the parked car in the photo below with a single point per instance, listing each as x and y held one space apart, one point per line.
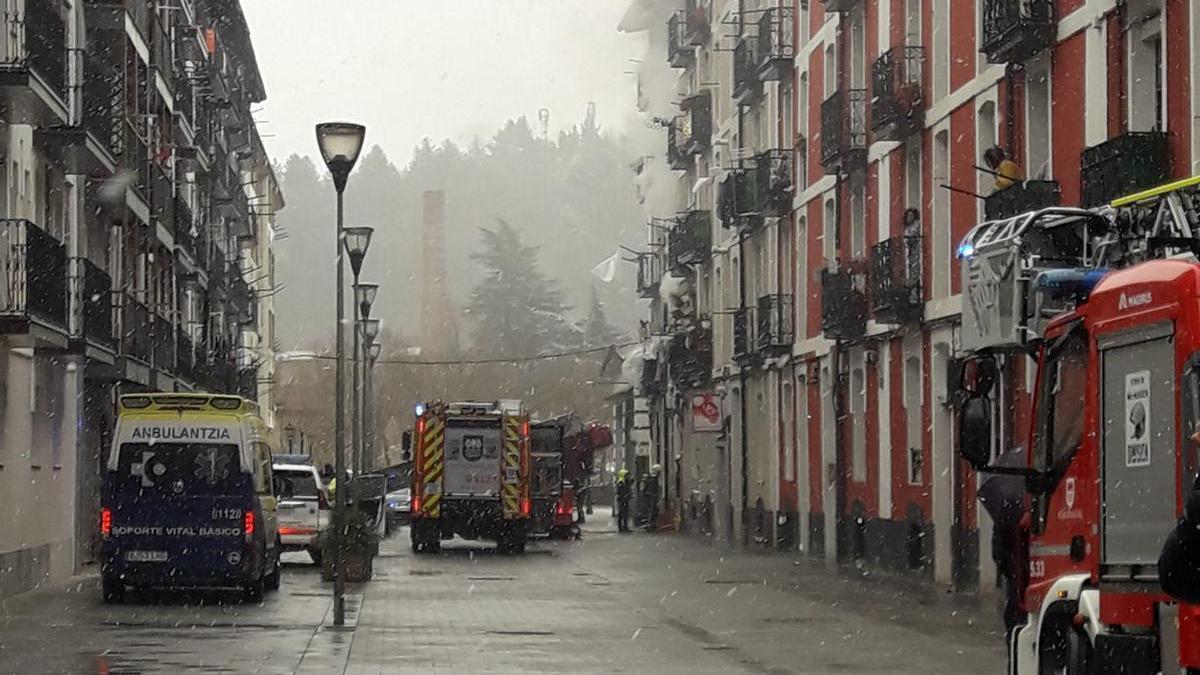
399 508
303 508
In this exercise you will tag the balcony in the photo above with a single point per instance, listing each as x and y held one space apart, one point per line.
1129 163
1015 30
1021 198
773 183
746 85
91 303
844 131
35 277
776 46
103 103
774 323
689 241
841 5
736 199
649 275
898 109
681 50
136 335
690 132
743 334
35 49
843 304
895 280
690 357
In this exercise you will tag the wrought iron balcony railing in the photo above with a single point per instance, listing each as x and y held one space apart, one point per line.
247 383
35 275
91 303
736 198
895 279
677 156
184 224
690 357
776 43
1123 165
773 182
774 323
746 84
689 241
898 108
1015 30
1021 197
103 101
680 50
844 130
843 304
36 43
697 116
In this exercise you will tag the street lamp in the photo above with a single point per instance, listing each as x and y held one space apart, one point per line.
364 296
358 240
368 408
340 143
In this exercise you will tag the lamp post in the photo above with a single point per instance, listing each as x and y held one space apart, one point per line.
364 296
340 143
358 240
368 331
368 407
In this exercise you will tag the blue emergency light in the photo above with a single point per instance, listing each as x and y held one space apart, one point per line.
966 250
1075 283
419 409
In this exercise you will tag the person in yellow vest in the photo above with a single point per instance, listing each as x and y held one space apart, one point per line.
1007 172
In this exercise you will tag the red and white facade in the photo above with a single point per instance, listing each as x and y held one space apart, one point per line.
847 434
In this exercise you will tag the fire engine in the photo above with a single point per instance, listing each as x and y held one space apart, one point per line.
1108 301
471 474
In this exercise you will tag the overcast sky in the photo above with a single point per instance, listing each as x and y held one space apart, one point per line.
439 68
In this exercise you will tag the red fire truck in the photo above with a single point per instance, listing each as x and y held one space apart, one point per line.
471 474
1109 302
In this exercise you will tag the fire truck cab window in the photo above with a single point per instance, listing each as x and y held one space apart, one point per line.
1060 422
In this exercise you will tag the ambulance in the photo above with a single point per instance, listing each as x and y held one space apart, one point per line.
188 499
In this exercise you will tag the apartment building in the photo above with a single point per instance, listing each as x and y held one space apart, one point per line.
834 151
136 208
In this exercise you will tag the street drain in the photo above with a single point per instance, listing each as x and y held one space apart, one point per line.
423 573
756 582
716 648
519 632
490 578
787 619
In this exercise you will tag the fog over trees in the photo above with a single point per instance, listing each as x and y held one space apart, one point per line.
569 198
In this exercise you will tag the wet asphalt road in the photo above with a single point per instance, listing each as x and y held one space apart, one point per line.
608 603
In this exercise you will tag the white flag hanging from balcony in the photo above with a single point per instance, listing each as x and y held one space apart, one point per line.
606 271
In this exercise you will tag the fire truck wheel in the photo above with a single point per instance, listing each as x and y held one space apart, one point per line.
1064 650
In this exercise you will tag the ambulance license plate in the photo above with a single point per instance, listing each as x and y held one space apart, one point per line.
146 556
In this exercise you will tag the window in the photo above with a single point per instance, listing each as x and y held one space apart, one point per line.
940 56
912 173
1037 119
178 468
941 217
262 468
858 221
831 236
831 78
789 434
1145 55
985 138
1063 379
800 303
858 51
912 22
858 406
912 410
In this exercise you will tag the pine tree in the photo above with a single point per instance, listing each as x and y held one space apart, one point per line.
517 310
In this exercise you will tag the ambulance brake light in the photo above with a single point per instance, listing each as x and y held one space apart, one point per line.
248 525
105 521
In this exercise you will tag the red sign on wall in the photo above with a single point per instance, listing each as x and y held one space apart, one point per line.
706 413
